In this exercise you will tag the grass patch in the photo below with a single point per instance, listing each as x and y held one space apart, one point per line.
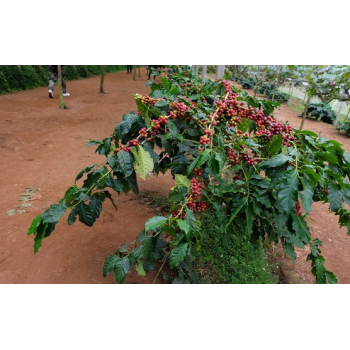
239 261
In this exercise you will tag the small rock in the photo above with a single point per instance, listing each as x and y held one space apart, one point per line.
26 205
11 212
20 211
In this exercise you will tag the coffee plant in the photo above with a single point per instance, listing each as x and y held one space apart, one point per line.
227 153
321 111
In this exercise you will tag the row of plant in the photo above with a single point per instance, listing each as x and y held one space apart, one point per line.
266 89
325 82
16 78
227 154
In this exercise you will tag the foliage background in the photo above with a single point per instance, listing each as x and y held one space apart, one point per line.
16 78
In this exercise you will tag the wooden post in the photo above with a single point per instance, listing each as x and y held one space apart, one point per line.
196 71
62 104
339 113
305 111
103 70
204 73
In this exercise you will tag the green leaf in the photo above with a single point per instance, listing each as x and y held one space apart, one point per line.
177 254
85 170
214 166
174 90
167 145
288 190
156 221
143 162
301 229
331 277
132 182
183 225
289 249
191 220
72 217
335 197
326 156
135 254
123 128
104 147
35 223
276 161
306 197
86 215
112 160
121 268
181 180
125 162
198 161
177 194
139 268
313 174
237 206
96 205
274 145
165 82
93 143
161 103
141 237
110 264
174 131
54 213
39 236
244 125
177 239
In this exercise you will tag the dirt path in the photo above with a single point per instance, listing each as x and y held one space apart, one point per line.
43 146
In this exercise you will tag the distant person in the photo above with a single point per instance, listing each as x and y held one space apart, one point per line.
53 70
128 69
157 67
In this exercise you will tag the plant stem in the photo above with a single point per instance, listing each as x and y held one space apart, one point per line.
159 271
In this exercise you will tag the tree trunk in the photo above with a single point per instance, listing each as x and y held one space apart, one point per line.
219 72
134 76
204 73
103 71
305 111
196 71
346 118
193 68
290 95
256 90
62 104
273 95
339 113
139 72
304 98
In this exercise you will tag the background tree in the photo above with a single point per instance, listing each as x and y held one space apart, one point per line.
219 72
204 73
103 71
62 104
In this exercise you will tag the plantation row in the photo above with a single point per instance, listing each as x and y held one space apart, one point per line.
16 78
325 82
229 157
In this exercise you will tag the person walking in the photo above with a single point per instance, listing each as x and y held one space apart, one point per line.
128 69
156 67
53 70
